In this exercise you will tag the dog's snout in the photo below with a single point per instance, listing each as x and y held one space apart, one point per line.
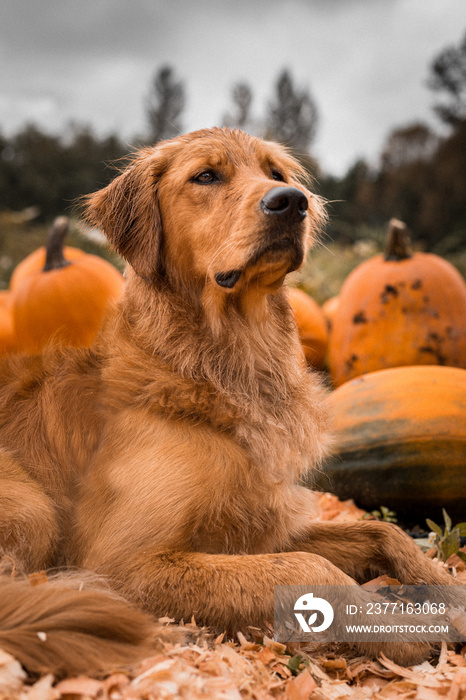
285 201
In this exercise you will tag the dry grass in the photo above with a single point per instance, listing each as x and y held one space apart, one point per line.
327 266
17 240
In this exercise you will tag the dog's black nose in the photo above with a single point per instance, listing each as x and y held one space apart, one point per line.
285 201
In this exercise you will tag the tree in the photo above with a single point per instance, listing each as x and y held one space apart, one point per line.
43 170
292 117
164 105
422 181
448 76
351 201
241 116
409 144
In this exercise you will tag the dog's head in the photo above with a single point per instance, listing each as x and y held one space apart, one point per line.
217 210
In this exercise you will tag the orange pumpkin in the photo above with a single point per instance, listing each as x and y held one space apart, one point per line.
329 309
7 334
398 309
312 327
36 260
401 441
65 301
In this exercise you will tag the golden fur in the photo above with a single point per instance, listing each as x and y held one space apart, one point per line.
166 458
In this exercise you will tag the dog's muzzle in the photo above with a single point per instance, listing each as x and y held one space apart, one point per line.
287 207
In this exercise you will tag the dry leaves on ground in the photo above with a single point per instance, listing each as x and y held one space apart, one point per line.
221 669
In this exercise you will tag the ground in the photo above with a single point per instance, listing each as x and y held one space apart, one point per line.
189 663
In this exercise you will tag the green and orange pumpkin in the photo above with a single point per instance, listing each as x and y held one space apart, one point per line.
401 441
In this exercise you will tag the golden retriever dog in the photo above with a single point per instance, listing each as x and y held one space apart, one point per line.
166 459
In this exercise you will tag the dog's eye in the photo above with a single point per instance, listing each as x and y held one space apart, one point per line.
276 175
206 177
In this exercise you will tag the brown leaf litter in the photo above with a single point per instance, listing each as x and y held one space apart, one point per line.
266 670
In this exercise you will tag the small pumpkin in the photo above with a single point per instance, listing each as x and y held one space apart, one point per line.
65 301
7 334
401 441
312 327
401 308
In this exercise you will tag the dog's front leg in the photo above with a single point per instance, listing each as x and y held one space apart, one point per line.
233 592
29 527
228 592
369 548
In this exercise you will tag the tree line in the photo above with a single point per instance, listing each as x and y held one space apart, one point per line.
420 176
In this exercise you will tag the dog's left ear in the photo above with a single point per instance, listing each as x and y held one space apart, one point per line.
127 212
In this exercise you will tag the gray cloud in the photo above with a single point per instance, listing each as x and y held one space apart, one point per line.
365 61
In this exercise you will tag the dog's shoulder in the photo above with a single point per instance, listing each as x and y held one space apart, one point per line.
24 376
48 403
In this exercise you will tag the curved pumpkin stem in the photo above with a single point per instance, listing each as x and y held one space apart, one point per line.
54 258
398 241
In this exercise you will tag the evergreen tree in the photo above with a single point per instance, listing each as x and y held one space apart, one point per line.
409 144
448 76
292 117
164 106
241 115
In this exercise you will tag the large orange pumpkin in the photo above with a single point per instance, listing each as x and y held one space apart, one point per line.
312 327
401 441
398 309
65 301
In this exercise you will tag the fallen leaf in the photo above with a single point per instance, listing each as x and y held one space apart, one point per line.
304 683
246 644
37 578
12 675
333 663
380 582
454 561
275 646
80 686
458 685
458 618
42 690
412 676
457 660
266 656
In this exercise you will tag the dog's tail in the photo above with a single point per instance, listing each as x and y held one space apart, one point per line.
70 624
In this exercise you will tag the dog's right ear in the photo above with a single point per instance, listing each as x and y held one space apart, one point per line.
127 212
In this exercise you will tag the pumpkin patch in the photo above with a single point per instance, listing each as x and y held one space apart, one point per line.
397 309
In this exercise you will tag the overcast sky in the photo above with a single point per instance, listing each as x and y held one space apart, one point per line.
366 62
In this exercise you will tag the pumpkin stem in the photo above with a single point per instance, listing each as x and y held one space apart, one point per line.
54 258
398 241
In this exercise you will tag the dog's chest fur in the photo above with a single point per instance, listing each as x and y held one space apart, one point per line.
270 413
